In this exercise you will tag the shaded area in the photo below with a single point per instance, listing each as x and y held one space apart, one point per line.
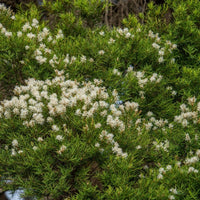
2 196
14 3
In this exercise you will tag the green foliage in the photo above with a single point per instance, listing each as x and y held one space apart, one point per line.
99 112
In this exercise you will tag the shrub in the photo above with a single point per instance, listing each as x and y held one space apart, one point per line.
100 113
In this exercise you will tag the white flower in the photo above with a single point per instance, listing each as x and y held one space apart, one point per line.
35 148
138 147
41 60
173 190
35 22
192 169
91 60
59 137
98 125
149 114
111 41
187 137
40 139
13 17
191 100
83 59
156 46
124 155
198 152
97 145
20 151
15 143
62 149
8 34
26 27
174 46
101 52
3 30
171 197
174 93
128 35
161 53
55 128
102 33
160 60
59 35
14 153
161 170
160 176
116 72
27 47
49 39
31 35
169 167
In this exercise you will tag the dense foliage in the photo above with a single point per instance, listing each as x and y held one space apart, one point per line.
100 112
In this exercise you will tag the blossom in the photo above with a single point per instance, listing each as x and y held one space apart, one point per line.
41 60
59 137
8 34
102 33
98 125
15 143
62 149
156 46
171 197
55 128
31 35
97 145
111 40
101 52
13 152
173 190
26 27
160 59
160 176
128 35
83 59
40 139
27 47
35 148
35 22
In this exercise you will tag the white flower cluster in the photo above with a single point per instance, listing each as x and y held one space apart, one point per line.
4 31
35 104
173 92
111 41
125 33
161 145
194 159
15 148
187 113
26 27
4 10
59 34
163 171
43 34
108 137
174 192
116 72
151 123
161 50
142 79
193 170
